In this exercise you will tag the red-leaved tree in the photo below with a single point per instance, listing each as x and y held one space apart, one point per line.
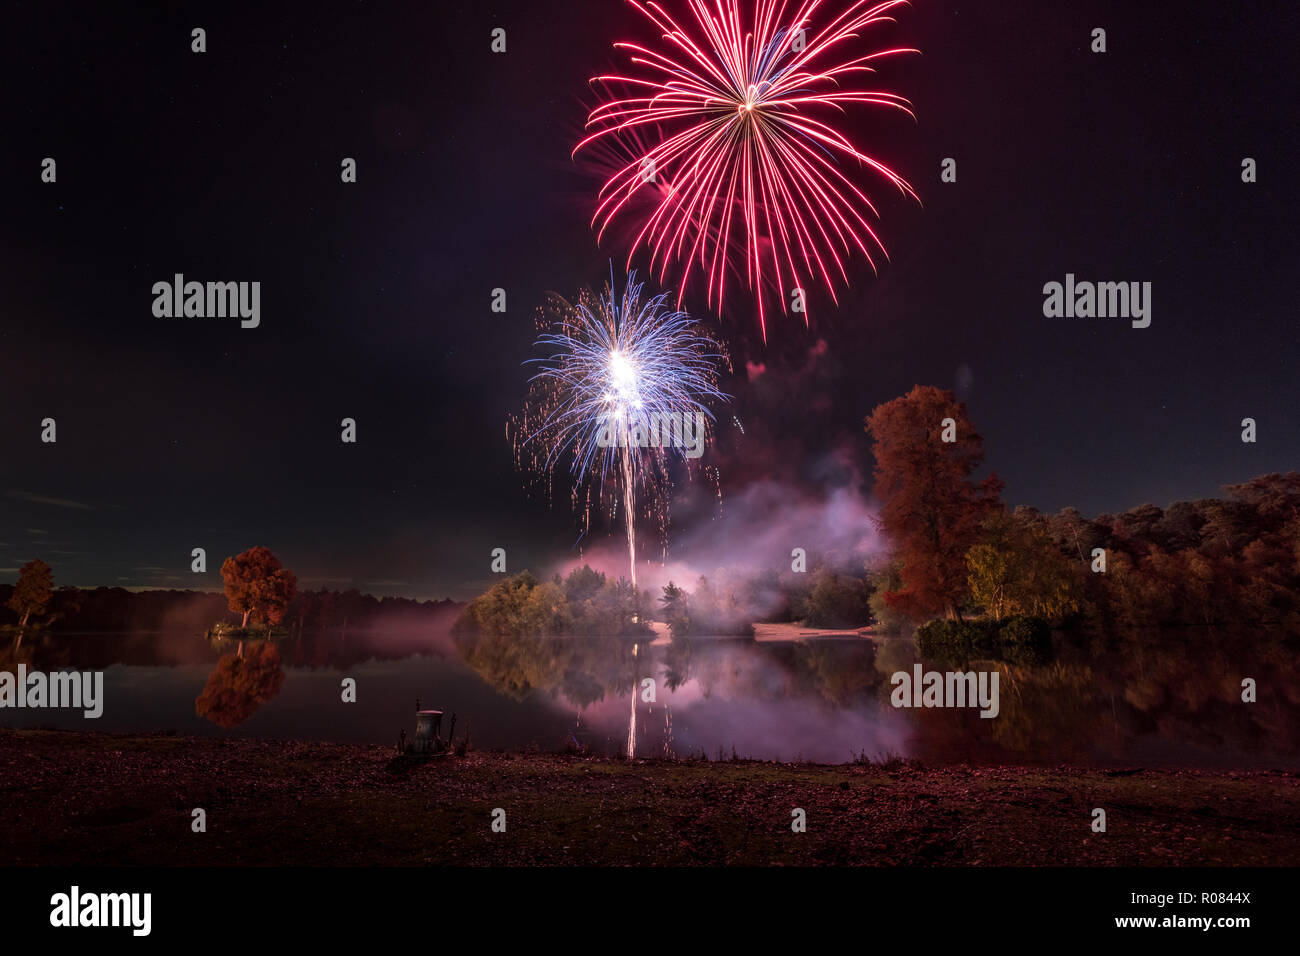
931 510
257 586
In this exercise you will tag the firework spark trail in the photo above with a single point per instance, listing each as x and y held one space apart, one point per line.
737 115
628 378
631 724
629 503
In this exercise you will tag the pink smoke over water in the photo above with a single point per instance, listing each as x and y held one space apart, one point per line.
749 532
745 701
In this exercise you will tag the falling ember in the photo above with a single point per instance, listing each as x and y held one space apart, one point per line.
745 149
622 394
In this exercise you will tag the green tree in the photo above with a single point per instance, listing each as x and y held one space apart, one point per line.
675 610
1017 569
837 601
583 584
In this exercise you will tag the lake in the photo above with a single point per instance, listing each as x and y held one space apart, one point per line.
1170 698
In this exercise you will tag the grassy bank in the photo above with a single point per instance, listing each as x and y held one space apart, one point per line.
85 798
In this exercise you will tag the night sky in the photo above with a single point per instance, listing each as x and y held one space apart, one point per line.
180 433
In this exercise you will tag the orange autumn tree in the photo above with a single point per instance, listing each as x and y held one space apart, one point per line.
33 591
931 510
258 587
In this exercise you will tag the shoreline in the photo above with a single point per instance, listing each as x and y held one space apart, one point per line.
91 798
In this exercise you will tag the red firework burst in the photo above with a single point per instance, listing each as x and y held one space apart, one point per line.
743 153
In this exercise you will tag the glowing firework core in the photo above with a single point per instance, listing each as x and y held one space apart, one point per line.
622 375
627 366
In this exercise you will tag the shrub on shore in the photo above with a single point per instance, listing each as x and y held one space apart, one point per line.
584 603
1018 640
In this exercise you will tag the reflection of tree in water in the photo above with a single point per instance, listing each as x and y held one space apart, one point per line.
581 689
586 670
52 651
1188 688
835 673
1055 710
1100 699
239 684
842 673
1157 692
582 669
11 655
677 662
337 649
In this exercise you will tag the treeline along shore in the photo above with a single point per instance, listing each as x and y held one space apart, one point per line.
120 609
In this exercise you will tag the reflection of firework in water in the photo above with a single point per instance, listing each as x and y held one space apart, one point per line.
622 393
742 120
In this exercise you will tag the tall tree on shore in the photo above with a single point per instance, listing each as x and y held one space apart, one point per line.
34 590
926 451
258 587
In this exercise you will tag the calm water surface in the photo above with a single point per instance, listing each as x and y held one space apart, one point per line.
1167 699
